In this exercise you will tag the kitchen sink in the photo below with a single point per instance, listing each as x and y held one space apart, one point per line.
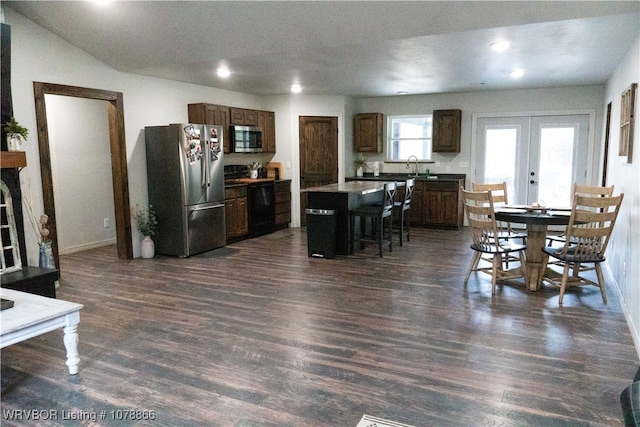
403 176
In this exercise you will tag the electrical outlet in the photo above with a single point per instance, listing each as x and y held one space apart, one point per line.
107 223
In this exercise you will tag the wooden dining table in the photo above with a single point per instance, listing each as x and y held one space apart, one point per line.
537 222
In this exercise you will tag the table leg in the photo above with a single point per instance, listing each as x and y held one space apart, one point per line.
71 342
534 257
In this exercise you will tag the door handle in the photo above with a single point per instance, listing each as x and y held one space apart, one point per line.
532 182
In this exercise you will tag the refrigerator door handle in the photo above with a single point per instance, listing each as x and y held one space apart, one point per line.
220 205
204 170
207 166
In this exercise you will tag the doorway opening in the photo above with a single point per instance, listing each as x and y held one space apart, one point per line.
117 145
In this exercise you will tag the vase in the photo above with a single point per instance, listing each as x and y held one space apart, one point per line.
147 247
359 171
46 256
13 143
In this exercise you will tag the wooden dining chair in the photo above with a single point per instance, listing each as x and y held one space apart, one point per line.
583 190
500 199
381 216
402 210
488 247
587 236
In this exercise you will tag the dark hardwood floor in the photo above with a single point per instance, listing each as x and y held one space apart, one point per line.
258 334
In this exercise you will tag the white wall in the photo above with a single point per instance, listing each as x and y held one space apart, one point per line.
39 55
583 99
624 253
81 172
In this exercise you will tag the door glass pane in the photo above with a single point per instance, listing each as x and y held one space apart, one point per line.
555 169
500 157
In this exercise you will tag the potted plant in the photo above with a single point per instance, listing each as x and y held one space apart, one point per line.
359 163
15 134
146 222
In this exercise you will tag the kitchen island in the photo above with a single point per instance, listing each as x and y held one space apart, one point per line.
342 197
436 201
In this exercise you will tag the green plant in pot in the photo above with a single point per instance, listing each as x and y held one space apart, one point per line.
146 221
16 133
359 163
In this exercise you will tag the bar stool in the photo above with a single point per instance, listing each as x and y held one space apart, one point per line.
402 208
377 214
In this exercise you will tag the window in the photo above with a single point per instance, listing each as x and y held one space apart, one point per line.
409 135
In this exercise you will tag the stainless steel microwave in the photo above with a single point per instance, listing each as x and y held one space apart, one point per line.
246 139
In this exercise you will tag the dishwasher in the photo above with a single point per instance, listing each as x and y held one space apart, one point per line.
262 208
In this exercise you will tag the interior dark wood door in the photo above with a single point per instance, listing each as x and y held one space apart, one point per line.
605 160
318 155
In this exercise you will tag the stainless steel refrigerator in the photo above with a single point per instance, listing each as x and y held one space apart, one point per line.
185 175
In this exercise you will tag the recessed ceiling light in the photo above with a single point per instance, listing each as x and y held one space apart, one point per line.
403 92
296 88
517 73
500 46
223 72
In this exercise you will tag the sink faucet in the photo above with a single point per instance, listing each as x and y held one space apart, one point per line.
415 168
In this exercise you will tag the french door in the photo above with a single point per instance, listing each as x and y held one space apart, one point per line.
539 157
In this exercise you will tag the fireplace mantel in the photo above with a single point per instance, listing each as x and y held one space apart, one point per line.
13 159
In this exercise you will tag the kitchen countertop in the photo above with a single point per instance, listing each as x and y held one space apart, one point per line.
236 182
354 187
440 177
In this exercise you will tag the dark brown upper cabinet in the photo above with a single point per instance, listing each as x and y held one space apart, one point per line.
367 131
242 116
210 114
446 131
267 122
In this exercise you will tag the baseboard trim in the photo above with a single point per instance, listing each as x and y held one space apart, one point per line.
87 246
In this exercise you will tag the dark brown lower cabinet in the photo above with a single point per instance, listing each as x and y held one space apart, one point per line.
442 208
236 213
283 203
437 204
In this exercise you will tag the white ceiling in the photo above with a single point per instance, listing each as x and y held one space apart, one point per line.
351 48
